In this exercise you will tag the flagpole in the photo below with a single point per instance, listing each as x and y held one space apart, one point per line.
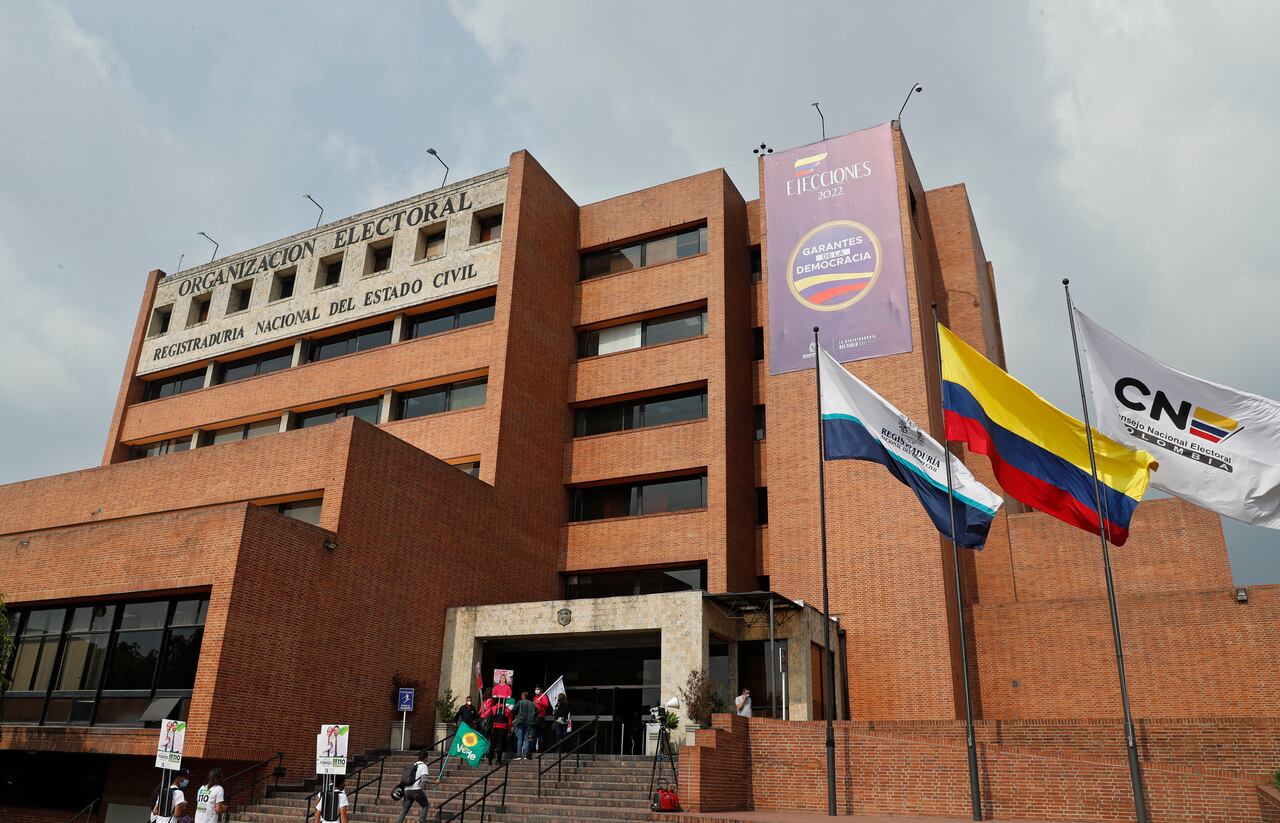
975 796
1135 767
828 657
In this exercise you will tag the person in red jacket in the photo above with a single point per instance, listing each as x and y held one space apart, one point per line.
498 716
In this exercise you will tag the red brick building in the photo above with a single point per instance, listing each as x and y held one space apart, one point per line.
327 449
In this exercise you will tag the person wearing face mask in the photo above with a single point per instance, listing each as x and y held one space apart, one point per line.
211 800
171 803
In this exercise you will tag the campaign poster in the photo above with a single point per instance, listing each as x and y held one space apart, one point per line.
834 237
331 748
173 734
503 679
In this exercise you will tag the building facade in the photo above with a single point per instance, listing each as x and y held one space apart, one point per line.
489 426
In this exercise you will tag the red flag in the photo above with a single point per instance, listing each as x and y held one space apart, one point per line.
479 679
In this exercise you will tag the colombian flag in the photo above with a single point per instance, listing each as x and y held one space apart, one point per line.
1039 454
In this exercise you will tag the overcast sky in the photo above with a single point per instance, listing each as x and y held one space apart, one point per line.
1128 145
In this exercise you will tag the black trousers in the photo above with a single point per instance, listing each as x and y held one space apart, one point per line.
497 744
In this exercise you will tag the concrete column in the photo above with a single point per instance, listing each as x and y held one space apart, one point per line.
210 372
384 410
299 349
397 328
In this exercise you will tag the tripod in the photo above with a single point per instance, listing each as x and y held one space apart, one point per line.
661 753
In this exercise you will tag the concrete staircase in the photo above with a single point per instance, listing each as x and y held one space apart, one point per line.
606 788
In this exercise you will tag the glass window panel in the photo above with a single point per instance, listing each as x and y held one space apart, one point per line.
150 615
133 660
600 419
332 272
619 338
661 250
432 401
672 495
472 468
317 418
69 710
227 435
625 259
372 338
595 264
180 657
179 444
432 324
756 264
122 711
44 621
757 343
263 427
33 662
186 613
468 395
238 371
675 409
204 611
325 349
690 242
24 710
367 411
762 507
434 245
600 502
760 429
656 581
275 362
82 661
308 511
475 313
678 327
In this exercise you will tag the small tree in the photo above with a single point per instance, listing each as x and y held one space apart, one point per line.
699 695
6 648
446 707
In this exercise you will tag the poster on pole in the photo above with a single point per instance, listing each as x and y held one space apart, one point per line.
502 680
331 748
834 236
173 734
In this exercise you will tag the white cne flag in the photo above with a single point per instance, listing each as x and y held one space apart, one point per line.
1218 447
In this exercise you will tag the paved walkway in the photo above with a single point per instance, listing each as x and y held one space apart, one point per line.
812 817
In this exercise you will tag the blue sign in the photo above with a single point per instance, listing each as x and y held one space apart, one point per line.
405 703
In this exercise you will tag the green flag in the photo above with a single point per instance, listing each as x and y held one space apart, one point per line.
469 745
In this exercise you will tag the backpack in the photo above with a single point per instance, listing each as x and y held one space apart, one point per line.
164 802
408 776
329 804
666 800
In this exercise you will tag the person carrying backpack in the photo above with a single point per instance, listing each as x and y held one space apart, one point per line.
171 803
414 782
497 714
332 805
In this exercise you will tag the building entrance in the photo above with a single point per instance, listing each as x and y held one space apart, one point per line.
615 675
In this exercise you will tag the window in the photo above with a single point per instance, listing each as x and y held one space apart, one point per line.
757 265
241 294
759 414
437 399
199 312
472 467
637 414
246 431
488 227
649 252
177 384
349 343
308 511
113 663
378 257
329 271
170 446
430 243
282 283
757 343
762 506
642 333
252 366
366 410
160 320
632 499
644 581
455 317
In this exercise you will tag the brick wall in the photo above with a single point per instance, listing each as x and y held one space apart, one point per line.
716 768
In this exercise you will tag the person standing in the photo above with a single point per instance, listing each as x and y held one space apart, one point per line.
561 717
467 714
743 703
331 807
526 726
540 727
211 800
171 803
416 790
497 714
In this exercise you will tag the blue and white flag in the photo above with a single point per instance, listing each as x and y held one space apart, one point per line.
858 424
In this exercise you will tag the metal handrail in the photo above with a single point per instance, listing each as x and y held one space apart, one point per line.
481 801
578 746
277 773
88 809
354 794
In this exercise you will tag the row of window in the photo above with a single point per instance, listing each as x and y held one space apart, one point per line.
434 400
325 348
430 244
114 663
642 333
642 581
637 414
638 498
650 252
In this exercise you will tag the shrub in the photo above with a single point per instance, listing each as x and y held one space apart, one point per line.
446 707
699 695
1275 778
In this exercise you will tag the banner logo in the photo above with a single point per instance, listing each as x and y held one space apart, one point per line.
1197 420
470 739
834 266
807 165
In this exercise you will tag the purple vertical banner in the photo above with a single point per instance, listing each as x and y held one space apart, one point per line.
833 224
